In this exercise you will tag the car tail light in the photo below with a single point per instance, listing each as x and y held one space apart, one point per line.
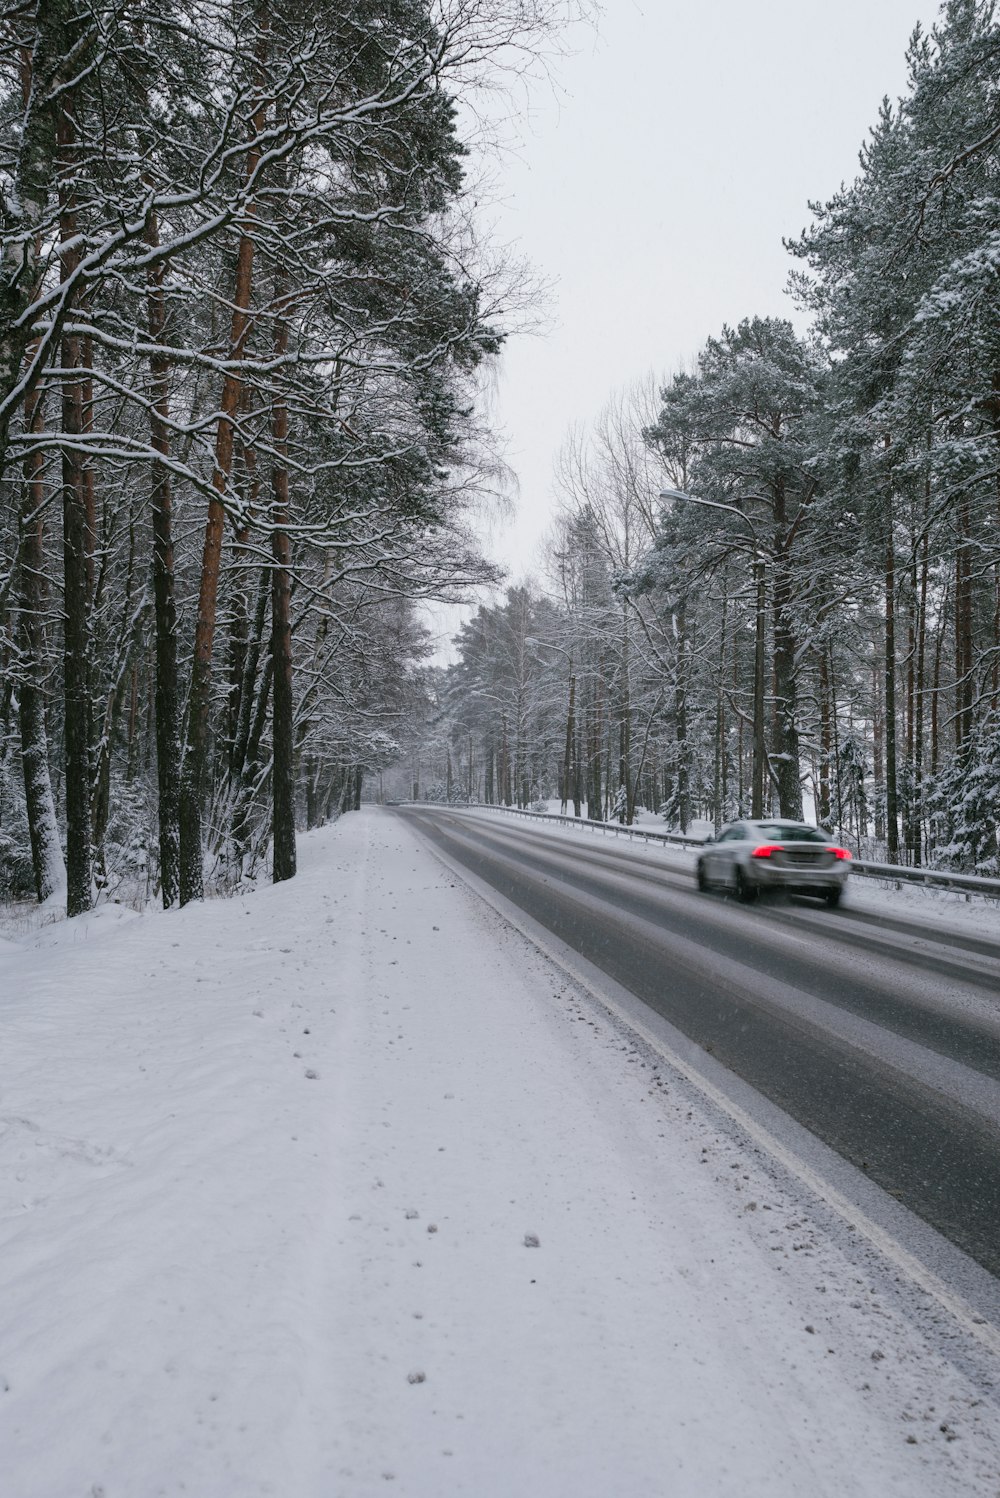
765 850
840 852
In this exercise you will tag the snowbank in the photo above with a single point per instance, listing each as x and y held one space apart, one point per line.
339 1188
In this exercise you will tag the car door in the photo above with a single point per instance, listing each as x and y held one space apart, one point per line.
711 856
729 839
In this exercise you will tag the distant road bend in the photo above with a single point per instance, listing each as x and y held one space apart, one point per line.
881 1036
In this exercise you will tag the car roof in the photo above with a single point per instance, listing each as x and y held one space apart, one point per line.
781 822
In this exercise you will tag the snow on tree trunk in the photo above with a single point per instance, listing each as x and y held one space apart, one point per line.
77 539
283 766
194 772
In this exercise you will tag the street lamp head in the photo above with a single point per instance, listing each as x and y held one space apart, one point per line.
714 504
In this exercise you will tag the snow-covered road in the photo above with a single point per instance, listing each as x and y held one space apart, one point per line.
341 1188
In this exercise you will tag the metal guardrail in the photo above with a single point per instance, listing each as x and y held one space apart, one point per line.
970 884
897 874
648 835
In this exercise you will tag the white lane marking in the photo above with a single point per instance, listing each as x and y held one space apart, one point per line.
925 1279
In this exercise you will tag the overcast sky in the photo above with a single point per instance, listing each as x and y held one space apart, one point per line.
654 193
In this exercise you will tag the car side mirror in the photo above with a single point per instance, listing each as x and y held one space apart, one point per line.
710 838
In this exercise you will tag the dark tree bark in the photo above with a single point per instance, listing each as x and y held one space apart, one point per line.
167 698
43 828
43 72
77 535
825 736
719 737
595 788
786 732
681 720
891 797
194 766
568 780
758 767
283 768
194 769
919 695
316 792
127 643
964 657
625 776
248 683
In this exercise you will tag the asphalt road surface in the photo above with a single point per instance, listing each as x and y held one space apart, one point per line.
880 1035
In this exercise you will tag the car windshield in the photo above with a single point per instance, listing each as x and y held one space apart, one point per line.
784 832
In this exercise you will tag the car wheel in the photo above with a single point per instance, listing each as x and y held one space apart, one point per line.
745 891
832 898
702 880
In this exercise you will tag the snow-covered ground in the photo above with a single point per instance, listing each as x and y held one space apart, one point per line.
340 1188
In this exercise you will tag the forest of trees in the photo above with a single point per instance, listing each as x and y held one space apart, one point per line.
243 312
778 577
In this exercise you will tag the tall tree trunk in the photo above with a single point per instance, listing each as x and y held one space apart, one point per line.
505 772
681 720
132 737
283 768
608 800
594 753
127 642
909 715
837 785
44 79
248 684
194 770
490 761
244 574
626 777
936 690
995 668
825 738
891 798
76 546
314 795
719 739
920 691
48 864
759 747
878 758
167 699
964 586
568 784
43 828
785 683
994 408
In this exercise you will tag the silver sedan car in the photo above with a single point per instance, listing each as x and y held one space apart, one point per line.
748 857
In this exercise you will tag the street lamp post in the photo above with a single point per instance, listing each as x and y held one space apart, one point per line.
760 590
